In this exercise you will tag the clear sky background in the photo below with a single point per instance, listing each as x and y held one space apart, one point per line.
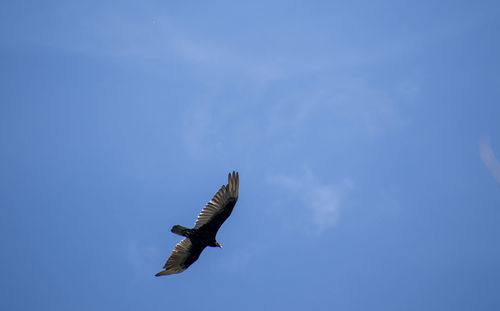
366 134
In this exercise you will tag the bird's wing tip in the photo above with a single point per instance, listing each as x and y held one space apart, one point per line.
162 273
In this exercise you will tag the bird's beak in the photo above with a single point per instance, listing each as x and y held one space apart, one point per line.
218 244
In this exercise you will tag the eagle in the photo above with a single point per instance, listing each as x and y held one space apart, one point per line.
203 233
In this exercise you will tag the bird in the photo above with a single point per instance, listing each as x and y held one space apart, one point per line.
211 218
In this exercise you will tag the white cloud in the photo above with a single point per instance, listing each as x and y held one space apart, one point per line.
319 203
489 159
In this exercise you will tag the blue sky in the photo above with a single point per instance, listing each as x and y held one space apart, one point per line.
366 134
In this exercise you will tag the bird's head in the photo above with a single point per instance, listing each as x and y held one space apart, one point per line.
218 244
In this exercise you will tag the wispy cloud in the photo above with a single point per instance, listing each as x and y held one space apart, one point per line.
142 257
338 106
319 203
489 160
282 91
235 261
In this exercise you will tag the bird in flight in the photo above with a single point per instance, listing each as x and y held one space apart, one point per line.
203 233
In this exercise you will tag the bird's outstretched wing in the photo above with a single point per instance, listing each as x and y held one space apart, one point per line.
185 253
216 211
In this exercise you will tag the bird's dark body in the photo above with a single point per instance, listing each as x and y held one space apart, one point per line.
205 235
202 237
205 229
198 236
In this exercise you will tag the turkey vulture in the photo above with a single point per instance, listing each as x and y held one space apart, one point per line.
203 233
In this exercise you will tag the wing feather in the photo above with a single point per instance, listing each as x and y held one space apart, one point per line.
184 254
220 207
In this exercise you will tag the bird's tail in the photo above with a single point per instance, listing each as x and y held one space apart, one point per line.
180 230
